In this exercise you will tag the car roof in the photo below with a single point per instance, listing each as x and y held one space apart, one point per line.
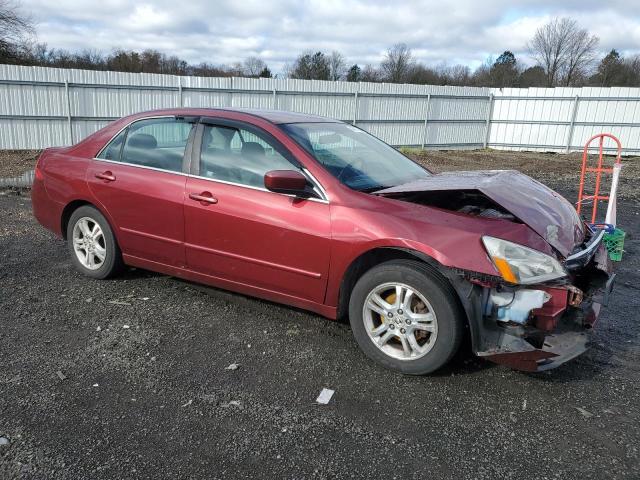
281 116
272 116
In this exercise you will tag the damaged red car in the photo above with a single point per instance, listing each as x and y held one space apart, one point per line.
318 214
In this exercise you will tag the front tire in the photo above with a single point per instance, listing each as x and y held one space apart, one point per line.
406 316
92 245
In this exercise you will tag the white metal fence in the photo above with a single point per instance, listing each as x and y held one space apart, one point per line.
42 107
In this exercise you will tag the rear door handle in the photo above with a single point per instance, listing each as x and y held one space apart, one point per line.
107 176
204 198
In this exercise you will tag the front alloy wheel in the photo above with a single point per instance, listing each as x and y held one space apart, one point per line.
406 316
400 321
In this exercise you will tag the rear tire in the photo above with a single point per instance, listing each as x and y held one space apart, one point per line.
406 316
92 245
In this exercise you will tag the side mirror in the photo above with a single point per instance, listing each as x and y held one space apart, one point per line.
286 181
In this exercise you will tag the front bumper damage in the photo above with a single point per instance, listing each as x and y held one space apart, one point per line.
538 327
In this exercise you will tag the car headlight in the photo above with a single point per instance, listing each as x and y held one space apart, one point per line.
520 264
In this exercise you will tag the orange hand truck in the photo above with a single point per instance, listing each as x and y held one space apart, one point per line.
614 237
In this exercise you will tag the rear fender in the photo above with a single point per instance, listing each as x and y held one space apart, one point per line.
76 203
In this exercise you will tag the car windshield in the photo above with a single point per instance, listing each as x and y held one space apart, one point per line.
356 158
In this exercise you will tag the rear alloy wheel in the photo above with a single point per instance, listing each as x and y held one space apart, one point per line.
89 243
93 247
406 316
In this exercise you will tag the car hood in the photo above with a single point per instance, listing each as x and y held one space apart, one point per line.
546 212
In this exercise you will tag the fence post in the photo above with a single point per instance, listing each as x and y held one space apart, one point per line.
355 105
487 127
68 98
426 121
574 112
275 99
180 103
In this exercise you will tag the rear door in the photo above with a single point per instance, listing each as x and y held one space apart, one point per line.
244 233
138 179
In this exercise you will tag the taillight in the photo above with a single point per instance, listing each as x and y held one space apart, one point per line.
38 174
39 164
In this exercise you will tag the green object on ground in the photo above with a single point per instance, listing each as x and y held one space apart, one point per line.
615 244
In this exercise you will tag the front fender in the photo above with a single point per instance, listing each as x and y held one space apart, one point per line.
345 255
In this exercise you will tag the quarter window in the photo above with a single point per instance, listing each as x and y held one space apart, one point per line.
239 156
113 149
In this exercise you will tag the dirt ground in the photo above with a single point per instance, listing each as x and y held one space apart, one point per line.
128 378
549 168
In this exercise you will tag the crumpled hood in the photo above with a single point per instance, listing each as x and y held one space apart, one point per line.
546 212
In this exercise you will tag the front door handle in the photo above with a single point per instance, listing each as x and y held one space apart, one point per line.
204 198
106 176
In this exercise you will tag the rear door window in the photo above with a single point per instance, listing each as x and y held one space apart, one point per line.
157 142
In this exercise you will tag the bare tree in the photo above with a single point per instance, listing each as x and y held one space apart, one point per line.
252 66
14 26
236 69
482 74
632 65
151 61
397 64
89 59
549 47
563 49
337 66
580 54
424 75
370 74
459 75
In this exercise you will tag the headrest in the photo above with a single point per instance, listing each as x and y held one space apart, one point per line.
207 137
142 140
253 149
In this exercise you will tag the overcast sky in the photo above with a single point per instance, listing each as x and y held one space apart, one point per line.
226 31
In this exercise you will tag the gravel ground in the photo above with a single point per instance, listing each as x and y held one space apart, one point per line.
16 162
127 378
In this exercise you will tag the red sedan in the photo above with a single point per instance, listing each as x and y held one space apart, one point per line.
318 214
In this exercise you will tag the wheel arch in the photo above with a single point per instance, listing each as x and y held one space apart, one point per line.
467 294
72 206
369 259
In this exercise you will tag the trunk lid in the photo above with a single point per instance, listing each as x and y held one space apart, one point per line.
546 212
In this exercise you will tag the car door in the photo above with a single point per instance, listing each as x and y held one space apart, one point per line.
138 179
237 230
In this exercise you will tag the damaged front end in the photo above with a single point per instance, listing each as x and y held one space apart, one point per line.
538 326
536 311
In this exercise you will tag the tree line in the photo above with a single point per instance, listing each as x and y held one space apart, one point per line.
565 54
119 60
